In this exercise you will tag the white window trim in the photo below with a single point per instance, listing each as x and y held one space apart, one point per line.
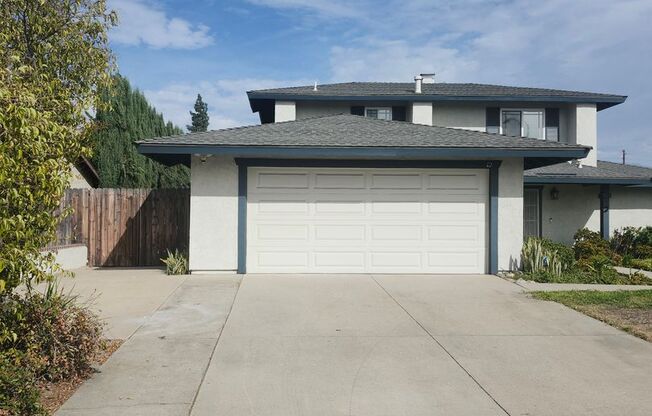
379 108
521 109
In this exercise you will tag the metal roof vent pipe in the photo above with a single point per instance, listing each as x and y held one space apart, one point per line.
417 84
428 78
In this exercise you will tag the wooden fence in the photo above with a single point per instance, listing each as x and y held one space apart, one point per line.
126 227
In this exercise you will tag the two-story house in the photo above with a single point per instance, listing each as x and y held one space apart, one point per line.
418 177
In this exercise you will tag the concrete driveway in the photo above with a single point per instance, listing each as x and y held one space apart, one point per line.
369 345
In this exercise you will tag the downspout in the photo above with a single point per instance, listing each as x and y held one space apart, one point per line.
604 196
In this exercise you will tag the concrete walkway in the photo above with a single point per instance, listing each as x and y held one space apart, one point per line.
368 345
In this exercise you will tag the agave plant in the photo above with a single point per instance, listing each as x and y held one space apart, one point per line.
536 258
175 263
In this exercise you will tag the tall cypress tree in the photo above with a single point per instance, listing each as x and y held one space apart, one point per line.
199 116
131 118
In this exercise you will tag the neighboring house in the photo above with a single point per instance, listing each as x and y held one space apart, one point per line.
416 177
84 175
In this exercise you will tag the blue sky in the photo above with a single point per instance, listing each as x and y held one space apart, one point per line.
172 50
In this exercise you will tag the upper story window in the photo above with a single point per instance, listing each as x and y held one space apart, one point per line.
380 113
524 123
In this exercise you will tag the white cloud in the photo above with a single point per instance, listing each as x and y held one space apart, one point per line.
590 45
143 22
227 101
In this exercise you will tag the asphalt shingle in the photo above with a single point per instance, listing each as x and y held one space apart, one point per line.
388 89
344 130
604 170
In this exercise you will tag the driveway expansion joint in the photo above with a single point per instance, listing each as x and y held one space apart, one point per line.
441 346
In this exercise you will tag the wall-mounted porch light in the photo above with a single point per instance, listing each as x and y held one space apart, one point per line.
554 194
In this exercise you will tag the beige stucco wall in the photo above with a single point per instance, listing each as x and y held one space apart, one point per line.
77 181
578 206
213 214
510 213
584 130
630 207
284 111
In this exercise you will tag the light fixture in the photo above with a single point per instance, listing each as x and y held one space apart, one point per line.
554 194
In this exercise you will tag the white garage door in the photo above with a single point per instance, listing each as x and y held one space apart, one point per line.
316 220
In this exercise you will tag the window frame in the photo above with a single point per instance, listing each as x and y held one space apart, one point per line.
391 115
521 110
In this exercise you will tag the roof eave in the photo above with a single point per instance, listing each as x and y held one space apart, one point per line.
601 101
533 157
574 180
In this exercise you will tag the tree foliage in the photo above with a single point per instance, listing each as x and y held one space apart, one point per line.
199 116
54 56
130 118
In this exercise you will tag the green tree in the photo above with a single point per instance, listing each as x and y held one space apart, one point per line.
130 118
54 56
199 116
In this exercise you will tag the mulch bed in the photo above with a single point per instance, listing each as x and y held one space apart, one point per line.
53 395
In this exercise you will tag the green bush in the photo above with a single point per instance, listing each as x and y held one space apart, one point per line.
56 337
176 263
645 264
590 243
19 394
633 242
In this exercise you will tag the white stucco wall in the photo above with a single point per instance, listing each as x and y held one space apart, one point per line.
630 207
583 123
285 111
213 214
510 213
422 113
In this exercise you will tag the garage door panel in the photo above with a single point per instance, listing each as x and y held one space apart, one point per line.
281 232
339 259
266 180
399 232
398 181
320 220
339 206
335 232
278 206
339 181
447 232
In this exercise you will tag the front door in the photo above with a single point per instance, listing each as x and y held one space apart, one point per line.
531 212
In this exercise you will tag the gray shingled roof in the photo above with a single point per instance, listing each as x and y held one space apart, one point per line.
468 90
344 130
604 171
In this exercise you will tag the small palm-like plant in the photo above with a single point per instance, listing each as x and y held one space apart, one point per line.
175 263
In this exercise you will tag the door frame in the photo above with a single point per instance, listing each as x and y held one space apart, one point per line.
492 165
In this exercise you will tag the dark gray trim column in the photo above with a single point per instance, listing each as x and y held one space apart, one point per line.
242 219
604 196
493 217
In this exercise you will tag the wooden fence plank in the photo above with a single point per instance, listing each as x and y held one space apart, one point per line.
126 227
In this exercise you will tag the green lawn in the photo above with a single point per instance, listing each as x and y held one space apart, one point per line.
628 310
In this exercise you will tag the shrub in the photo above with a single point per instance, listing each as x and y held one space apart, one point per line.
543 256
57 337
19 394
176 263
645 264
590 243
632 241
